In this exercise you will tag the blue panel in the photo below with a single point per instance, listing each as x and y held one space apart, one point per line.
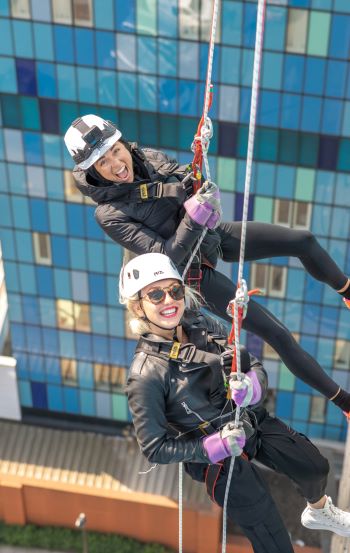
77 254
7 243
295 287
272 70
313 289
71 400
125 15
64 44
36 362
80 290
130 347
85 375
67 346
15 308
22 34
167 53
147 54
8 81
100 349
24 246
340 36
167 95
87 403
328 325
336 78
293 73
321 218
12 276
75 216
22 368
50 340
83 346
290 113
4 184
93 230
84 44
247 68
6 38
31 312
231 22
97 289
301 406
105 47
54 181
147 93
47 312
117 351
269 109
32 148
45 281
39 215
103 405
284 404
275 28
167 17
39 395
5 210
4 8
41 10
66 82
332 116
311 115
230 65
95 256
107 89
59 247
25 393
55 398
126 52
43 41
315 75
62 284
113 258
115 322
57 216
99 319
36 181
127 90
86 85
311 317
18 336
340 222
52 155
46 76
27 279
103 14
249 25
188 97
324 187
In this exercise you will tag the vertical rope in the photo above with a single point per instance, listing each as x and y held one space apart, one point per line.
250 151
180 506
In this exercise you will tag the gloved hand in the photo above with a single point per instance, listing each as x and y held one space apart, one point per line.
229 442
245 388
204 207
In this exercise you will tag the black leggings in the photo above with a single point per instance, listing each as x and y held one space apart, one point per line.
264 240
250 504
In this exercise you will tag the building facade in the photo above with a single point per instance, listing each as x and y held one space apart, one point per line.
142 64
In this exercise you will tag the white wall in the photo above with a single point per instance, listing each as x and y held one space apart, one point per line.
9 399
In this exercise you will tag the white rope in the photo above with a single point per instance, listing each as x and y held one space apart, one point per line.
180 506
241 298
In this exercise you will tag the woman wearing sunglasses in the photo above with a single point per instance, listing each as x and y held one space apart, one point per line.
145 204
177 394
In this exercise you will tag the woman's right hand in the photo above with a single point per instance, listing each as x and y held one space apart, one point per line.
204 207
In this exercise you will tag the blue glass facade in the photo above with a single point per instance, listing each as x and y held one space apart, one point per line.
142 64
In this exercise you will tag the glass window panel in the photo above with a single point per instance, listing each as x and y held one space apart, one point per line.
103 13
319 24
80 289
146 22
283 212
189 19
269 111
188 98
230 65
14 145
20 9
342 354
118 378
147 93
297 31
167 53
229 103
340 36
69 372
126 52
302 215
43 41
62 283
188 60
318 409
315 70
249 25
259 275
272 70
127 91
41 10
275 28
125 14
106 87
232 24
86 85
62 11
42 248
6 45
30 113
10 110
311 114
46 78
336 78
65 315
293 73
206 16
146 54
105 49
167 95
36 182
82 317
290 111
64 47
277 281
26 77
71 192
167 17
84 46
8 80
66 82
102 376
332 113
82 11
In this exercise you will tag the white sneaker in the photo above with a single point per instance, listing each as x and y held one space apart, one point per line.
329 518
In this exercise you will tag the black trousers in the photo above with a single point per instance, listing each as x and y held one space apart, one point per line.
264 240
250 504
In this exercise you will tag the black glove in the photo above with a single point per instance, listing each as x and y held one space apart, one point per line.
342 400
226 360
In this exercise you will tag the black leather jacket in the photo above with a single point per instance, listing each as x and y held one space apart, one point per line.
152 225
169 398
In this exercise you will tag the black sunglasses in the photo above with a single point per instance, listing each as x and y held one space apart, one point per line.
157 295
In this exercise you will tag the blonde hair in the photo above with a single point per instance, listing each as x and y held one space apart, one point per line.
139 325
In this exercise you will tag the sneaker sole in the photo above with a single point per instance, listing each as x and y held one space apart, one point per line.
344 533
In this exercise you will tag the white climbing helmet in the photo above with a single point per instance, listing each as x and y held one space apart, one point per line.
143 270
89 137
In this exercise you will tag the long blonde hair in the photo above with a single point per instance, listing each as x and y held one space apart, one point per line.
139 325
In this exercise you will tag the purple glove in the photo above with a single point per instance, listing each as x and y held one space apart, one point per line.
229 442
204 207
245 388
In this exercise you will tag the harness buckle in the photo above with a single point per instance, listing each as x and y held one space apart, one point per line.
159 190
175 350
187 353
143 191
203 426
